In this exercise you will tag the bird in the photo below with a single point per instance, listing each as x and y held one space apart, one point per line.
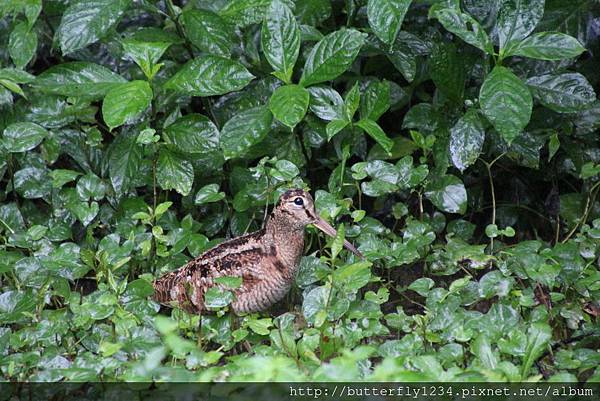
266 260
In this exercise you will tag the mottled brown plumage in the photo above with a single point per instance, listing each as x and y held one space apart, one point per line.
266 260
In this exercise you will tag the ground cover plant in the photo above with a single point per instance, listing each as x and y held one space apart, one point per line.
454 142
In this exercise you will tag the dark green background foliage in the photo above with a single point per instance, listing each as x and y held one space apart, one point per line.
455 144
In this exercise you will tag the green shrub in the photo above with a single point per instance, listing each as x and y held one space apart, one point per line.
456 144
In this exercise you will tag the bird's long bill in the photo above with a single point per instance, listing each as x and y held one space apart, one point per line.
327 229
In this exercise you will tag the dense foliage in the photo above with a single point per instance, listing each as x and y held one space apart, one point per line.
455 143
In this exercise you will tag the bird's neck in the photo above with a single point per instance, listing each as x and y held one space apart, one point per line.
288 239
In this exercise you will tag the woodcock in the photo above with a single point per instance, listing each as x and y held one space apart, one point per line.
267 261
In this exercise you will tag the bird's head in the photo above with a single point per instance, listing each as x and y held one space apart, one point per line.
297 207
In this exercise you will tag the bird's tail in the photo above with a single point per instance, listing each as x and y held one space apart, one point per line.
169 291
163 288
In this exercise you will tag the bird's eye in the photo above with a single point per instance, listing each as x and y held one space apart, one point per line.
298 201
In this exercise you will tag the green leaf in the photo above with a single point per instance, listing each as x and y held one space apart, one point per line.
332 56
352 277
506 102
564 93
517 19
315 302
375 100
386 16
208 31
193 133
245 130
78 79
261 326
210 75
145 54
86 21
280 39
538 338
229 282
125 162
483 350
466 140
32 182
448 194
375 132
546 46
125 103
245 12
174 172
289 104
465 27
216 297
447 70
351 102
21 137
335 126
326 103
208 194
61 176
22 44
90 186
422 286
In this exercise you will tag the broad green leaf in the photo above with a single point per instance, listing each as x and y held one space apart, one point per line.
375 100
174 172
90 186
386 16
208 31
465 27
315 301
125 103
482 348
332 56
61 176
193 133
14 303
352 277
517 19
21 137
22 44
208 194
145 54
280 39
216 297
312 12
335 126
351 102
16 75
289 104
546 46
564 93
448 71
375 132
125 162
326 103
538 337
261 326
506 102
210 75
32 182
422 286
78 79
245 130
466 140
245 12
86 21
448 194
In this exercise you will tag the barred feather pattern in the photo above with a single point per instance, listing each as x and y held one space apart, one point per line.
266 260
